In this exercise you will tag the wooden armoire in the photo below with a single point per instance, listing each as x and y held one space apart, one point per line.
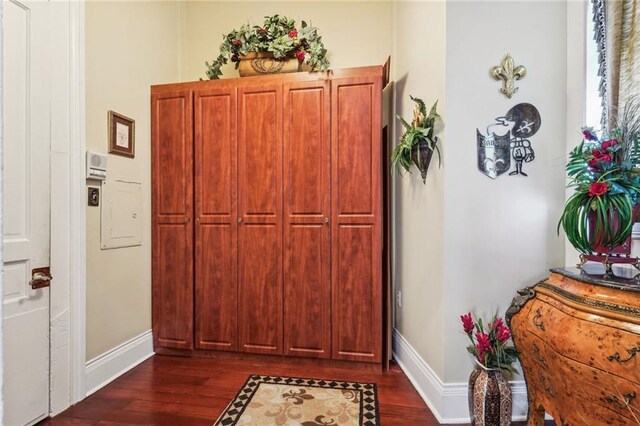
268 215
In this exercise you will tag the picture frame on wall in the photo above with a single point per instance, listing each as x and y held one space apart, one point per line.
122 132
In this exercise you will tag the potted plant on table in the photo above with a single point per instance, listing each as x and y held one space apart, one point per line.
279 45
598 218
419 140
489 389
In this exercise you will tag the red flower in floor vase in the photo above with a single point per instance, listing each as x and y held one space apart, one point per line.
504 334
467 322
489 390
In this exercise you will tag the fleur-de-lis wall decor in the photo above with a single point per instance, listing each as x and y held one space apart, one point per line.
508 73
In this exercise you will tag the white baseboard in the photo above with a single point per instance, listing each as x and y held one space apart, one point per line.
105 368
447 401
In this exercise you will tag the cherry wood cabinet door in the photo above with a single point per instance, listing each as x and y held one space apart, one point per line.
260 219
356 218
216 284
172 225
307 237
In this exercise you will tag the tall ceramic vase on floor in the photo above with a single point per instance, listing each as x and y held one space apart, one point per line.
489 398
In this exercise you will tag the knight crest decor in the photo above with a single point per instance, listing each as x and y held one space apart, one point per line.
508 73
506 143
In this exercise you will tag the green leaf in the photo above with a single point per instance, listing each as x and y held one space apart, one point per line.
421 105
433 113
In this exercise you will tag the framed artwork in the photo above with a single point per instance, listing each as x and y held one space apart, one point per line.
122 132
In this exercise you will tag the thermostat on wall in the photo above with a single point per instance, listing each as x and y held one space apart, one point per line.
96 166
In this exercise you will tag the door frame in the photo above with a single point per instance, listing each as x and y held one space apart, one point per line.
68 232
1 225
77 187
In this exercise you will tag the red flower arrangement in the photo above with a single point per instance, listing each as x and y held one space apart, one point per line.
489 347
603 168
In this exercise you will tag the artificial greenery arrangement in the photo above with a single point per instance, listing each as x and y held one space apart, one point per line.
422 129
490 347
278 35
603 168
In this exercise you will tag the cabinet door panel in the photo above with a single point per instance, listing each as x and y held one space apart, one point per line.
356 298
356 201
260 153
172 227
260 306
216 288
173 291
216 219
307 301
356 154
307 267
260 219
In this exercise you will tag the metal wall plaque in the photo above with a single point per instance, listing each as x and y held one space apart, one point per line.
508 73
507 139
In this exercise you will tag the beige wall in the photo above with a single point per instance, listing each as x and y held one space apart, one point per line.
419 70
129 46
354 33
465 242
500 235
132 45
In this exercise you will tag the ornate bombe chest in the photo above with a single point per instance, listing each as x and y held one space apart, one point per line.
578 337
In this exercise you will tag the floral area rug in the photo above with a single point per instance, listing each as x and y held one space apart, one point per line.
291 401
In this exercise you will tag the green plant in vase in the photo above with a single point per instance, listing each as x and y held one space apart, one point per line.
278 35
603 169
419 140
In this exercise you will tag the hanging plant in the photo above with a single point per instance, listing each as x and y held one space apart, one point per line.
418 142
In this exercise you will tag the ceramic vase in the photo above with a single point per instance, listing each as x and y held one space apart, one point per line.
608 256
260 63
596 238
489 398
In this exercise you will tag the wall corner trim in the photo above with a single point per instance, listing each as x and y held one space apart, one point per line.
103 369
447 401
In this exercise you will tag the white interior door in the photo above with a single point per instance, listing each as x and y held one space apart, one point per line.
26 181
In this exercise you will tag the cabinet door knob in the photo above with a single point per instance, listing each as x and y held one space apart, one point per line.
187 220
239 220
326 220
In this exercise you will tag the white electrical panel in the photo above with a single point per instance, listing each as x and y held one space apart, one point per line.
96 166
121 214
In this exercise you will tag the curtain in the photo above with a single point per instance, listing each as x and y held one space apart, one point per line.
617 34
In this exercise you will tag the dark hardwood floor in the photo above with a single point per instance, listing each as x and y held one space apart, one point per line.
166 390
